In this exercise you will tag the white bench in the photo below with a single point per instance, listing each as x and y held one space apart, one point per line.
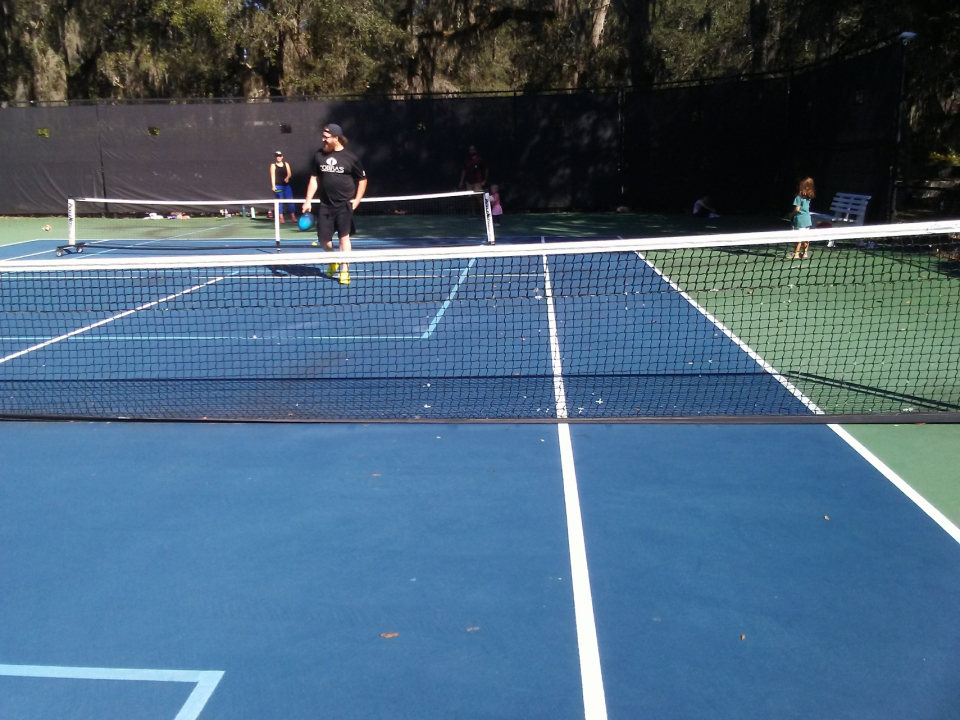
846 208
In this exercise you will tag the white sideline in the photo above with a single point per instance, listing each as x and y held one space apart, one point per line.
938 517
857 446
754 355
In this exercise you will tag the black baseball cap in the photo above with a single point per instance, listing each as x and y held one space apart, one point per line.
333 129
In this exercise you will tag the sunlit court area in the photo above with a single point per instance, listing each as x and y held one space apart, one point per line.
563 366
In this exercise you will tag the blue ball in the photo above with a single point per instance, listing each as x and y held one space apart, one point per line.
306 221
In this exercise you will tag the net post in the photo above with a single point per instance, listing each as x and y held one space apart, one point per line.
488 219
71 221
276 223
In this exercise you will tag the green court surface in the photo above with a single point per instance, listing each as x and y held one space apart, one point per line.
824 322
927 457
629 225
25 229
554 225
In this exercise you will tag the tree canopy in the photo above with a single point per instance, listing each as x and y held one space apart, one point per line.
85 49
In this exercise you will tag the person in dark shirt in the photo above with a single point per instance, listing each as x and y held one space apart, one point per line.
474 176
280 182
475 171
339 176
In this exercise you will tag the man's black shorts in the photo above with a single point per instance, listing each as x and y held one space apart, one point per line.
330 219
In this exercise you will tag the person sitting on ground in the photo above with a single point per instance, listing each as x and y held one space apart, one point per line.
703 208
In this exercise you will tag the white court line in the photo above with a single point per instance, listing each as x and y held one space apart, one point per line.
42 252
96 242
204 338
559 392
80 257
21 242
206 680
59 338
145 242
104 252
453 293
591 675
754 355
197 338
938 517
878 464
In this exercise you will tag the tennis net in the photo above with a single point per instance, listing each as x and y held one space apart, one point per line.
271 224
723 326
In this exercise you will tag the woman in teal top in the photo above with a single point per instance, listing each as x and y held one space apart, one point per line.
801 215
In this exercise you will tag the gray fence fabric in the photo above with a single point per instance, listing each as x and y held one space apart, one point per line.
48 155
743 141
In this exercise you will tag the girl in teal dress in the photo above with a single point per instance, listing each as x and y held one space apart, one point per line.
801 215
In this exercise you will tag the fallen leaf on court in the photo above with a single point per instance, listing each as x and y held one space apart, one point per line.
375 474
48 228
472 629
826 517
388 635
743 637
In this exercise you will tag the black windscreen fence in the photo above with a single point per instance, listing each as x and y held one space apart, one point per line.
844 118
726 140
743 141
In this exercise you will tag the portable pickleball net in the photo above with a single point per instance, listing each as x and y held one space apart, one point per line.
722 327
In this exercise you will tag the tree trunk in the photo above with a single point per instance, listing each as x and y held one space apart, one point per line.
598 18
762 30
640 55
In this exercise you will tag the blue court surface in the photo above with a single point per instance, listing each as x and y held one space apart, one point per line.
459 338
176 571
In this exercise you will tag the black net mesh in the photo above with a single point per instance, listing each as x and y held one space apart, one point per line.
734 327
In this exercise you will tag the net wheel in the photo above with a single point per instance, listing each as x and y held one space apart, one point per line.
79 248
59 252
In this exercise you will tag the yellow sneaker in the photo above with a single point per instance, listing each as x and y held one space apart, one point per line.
345 277
333 269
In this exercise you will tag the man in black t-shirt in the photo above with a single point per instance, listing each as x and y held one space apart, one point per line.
338 174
